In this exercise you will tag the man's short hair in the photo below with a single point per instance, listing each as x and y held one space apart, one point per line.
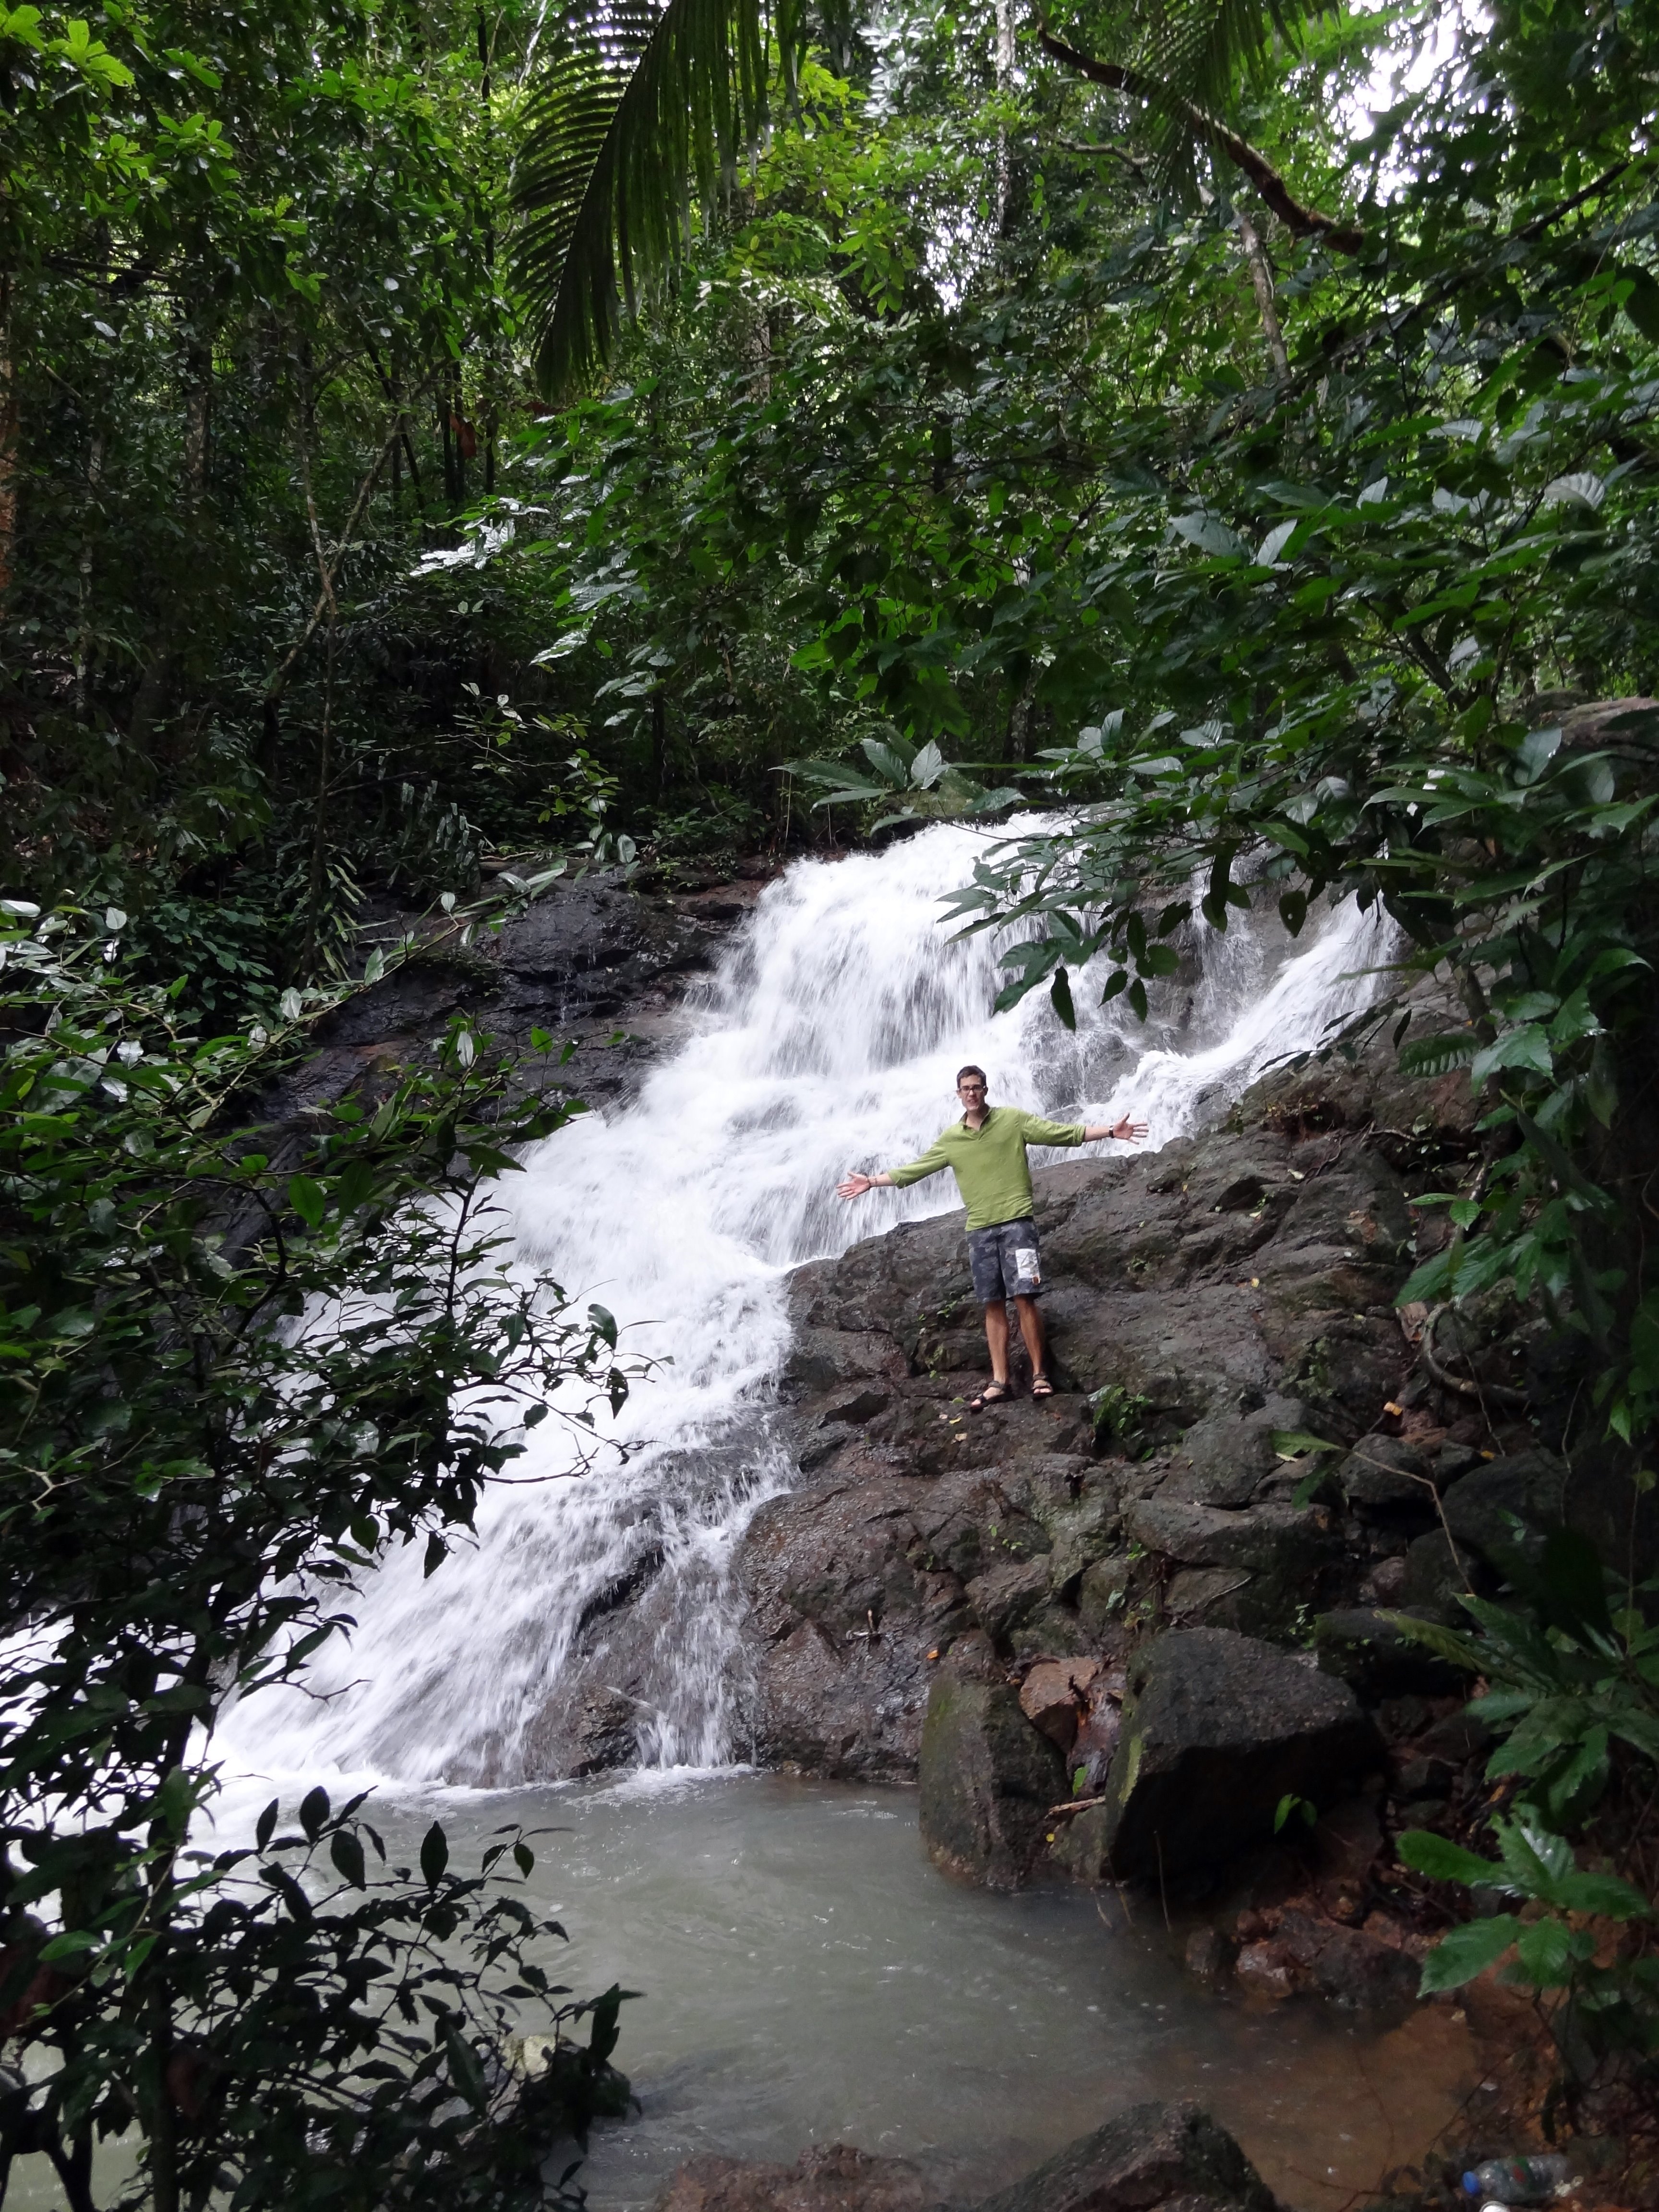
978 1072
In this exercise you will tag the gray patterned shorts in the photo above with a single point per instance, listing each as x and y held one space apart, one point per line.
1005 1261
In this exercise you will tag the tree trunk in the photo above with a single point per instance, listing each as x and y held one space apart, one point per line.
83 578
1261 278
198 415
486 89
1005 81
7 441
164 2127
1020 714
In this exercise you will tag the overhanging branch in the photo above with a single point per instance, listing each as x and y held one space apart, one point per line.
1303 221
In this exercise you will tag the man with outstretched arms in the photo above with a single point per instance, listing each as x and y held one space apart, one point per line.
986 1151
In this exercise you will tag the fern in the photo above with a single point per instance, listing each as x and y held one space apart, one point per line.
1438 1055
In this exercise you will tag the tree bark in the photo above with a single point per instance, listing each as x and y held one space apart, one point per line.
83 578
198 415
1019 713
1005 81
486 90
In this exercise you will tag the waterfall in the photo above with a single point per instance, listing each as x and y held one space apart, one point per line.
828 1039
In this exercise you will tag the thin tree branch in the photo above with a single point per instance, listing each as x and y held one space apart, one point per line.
1261 279
330 568
1303 222
1136 162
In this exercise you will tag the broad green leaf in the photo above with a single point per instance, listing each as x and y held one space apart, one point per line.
1527 1047
1292 1443
307 1199
1467 1951
1209 533
435 1856
1444 1860
1580 488
1545 1954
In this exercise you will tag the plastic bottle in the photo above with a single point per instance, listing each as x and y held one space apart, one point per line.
1532 2180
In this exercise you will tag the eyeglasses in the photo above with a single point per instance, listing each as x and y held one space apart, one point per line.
965 1087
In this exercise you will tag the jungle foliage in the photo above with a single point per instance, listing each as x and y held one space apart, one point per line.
233 1370
1229 430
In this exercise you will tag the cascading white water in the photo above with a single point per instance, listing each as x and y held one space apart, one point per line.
830 1039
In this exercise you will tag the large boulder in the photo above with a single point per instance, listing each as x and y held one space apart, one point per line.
1218 1729
1506 1501
987 1777
1153 2155
1267 1563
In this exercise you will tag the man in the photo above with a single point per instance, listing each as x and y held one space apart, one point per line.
986 1151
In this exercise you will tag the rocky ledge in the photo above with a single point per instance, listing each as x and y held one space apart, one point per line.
1130 1631
1152 2156
598 961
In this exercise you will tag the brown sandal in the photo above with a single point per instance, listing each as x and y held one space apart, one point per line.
994 1394
1041 1386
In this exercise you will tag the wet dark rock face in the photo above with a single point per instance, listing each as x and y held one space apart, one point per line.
1218 1728
1201 1301
987 1776
589 958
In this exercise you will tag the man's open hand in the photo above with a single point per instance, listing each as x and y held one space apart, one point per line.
1128 1131
854 1185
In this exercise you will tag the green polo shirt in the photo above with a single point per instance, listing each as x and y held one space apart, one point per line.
989 1163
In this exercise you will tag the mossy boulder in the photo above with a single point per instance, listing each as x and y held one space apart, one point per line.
987 1778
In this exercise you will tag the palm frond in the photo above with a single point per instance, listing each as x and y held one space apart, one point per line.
1195 53
1199 49
632 103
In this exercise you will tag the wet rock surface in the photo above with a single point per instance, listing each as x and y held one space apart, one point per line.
827 2177
599 960
987 1776
1204 1304
1154 2156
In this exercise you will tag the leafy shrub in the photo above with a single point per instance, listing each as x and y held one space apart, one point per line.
228 951
721 824
1572 1686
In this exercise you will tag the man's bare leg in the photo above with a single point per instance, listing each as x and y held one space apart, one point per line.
1031 1328
996 1335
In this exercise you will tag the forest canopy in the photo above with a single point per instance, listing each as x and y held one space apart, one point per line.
971 368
